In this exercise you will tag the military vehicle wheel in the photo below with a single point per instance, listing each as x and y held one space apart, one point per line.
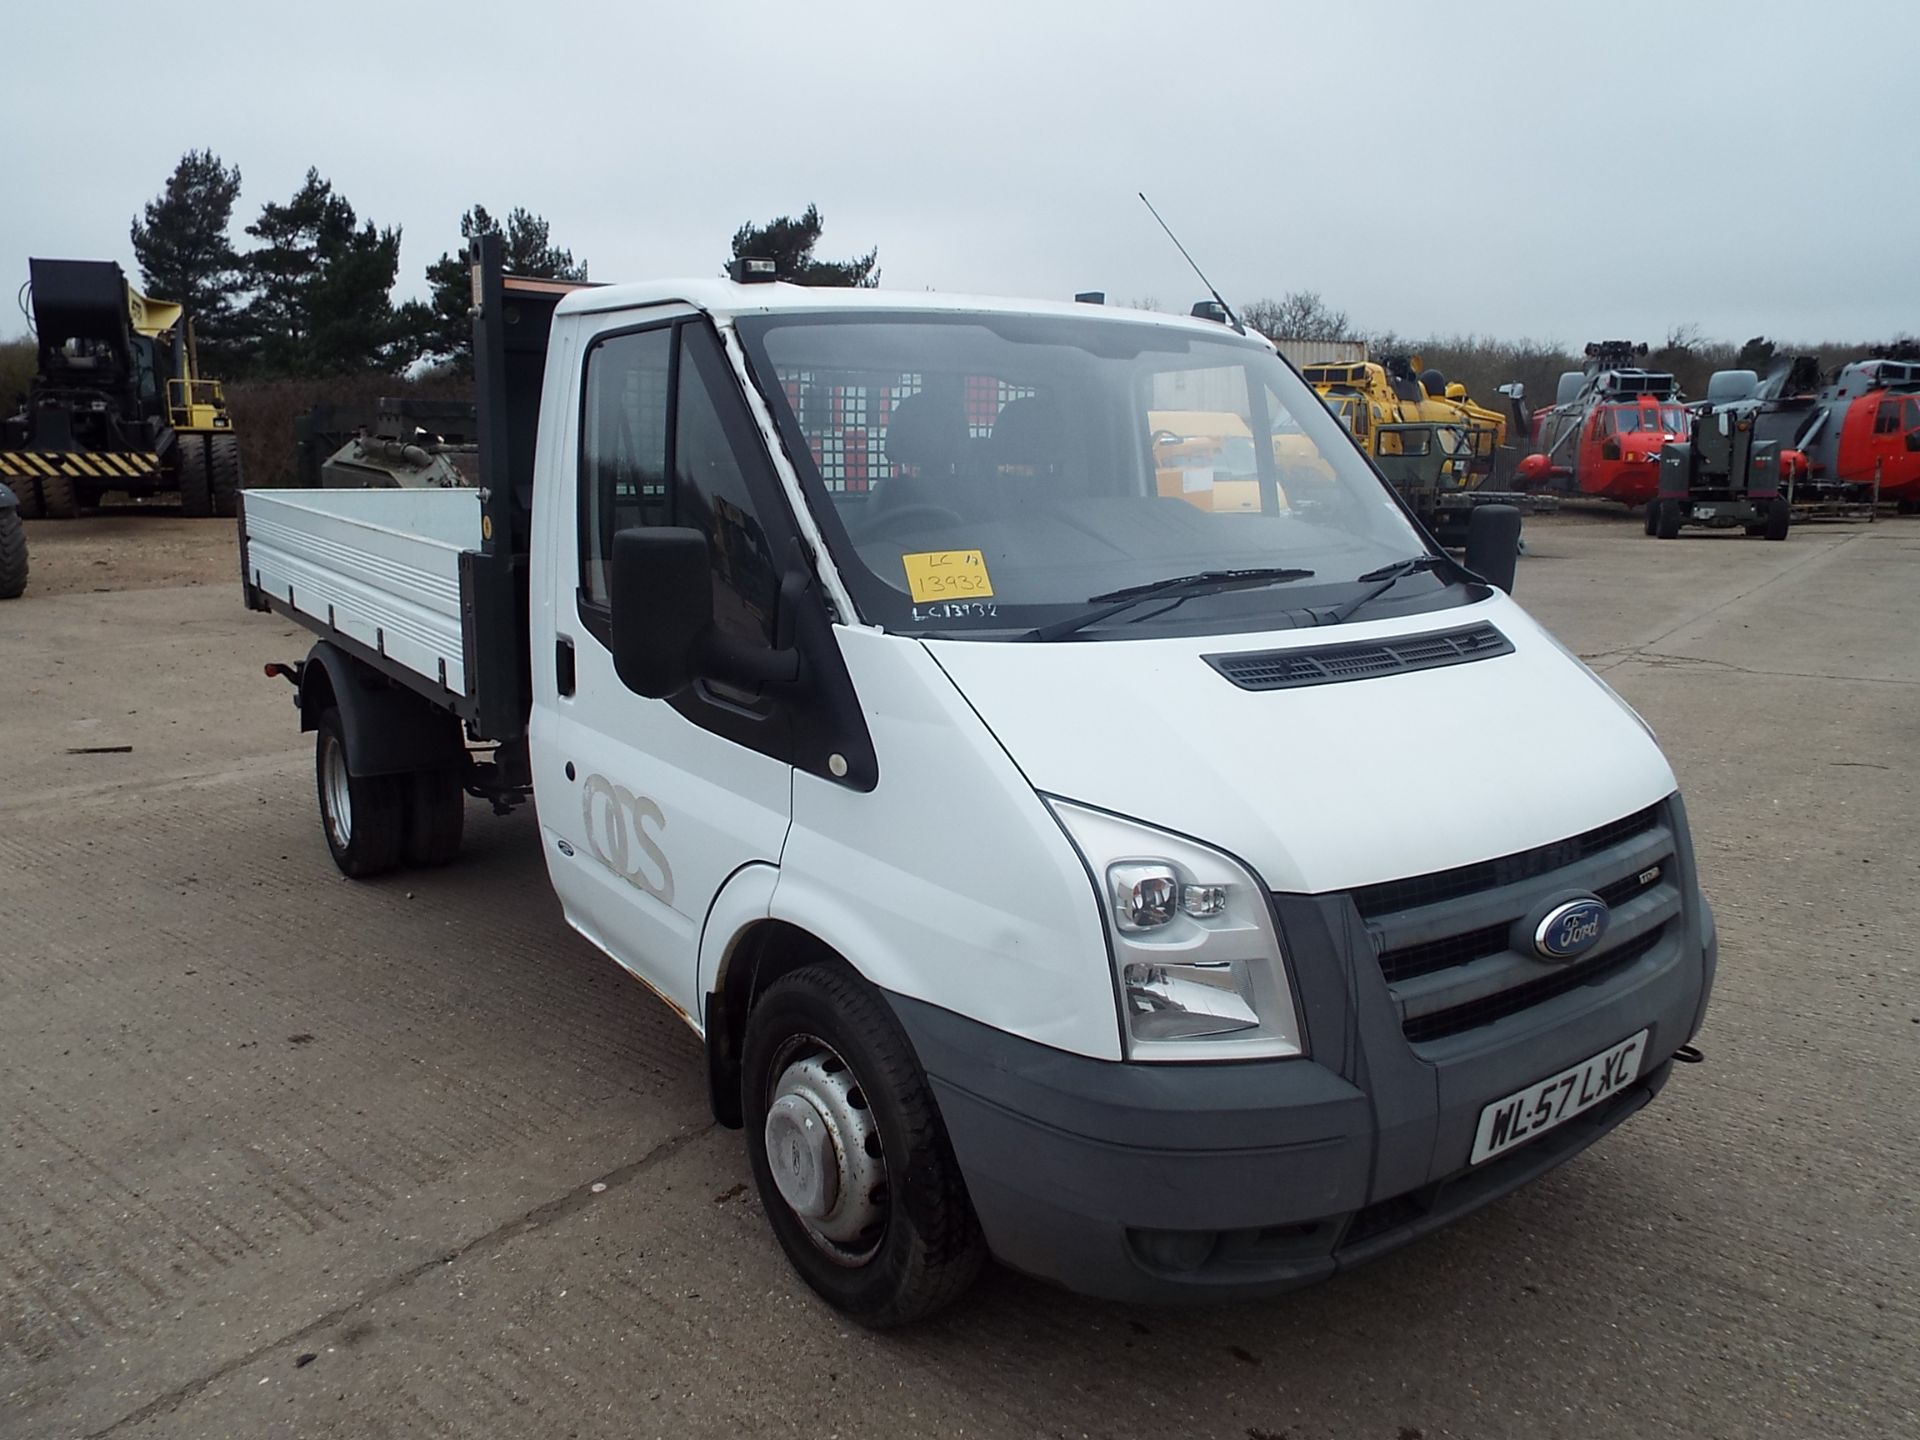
1779 519
27 491
13 554
436 814
223 465
853 1165
1666 522
196 483
364 817
1652 508
57 499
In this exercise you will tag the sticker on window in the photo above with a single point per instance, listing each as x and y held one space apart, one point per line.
947 575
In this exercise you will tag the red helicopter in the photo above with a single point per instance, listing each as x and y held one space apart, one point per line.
1866 425
1603 433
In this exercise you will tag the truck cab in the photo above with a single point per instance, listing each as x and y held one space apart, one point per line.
1038 854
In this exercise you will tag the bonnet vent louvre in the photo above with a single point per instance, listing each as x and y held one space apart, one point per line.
1331 664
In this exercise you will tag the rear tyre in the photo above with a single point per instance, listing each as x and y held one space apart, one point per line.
13 554
223 469
364 817
196 480
436 816
1779 519
27 491
1666 523
848 1152
58 501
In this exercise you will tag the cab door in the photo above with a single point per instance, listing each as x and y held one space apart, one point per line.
648 806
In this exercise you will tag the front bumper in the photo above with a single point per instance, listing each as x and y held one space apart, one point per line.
1154 1182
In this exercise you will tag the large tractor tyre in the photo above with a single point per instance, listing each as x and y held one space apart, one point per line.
436 815
364 817
853 1165
13 554
223 466
1779 518
1666 523
196 479
27 491
58 501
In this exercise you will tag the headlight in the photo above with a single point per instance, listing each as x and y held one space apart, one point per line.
1200 969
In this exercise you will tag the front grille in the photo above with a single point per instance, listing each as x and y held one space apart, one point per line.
1444 939
1331 664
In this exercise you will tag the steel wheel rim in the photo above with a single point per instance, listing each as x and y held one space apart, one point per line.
822 1145
335 781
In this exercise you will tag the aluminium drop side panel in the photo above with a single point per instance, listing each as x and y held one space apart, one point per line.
379 568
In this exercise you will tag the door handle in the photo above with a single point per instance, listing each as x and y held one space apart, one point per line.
563 677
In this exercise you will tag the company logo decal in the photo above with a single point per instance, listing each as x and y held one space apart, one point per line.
1571 929
616 822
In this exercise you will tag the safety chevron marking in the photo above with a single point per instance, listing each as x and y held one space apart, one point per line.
92 464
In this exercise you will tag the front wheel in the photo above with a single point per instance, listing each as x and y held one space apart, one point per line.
1652 517
848 1152
13 554
1666 522
365 817
1779 518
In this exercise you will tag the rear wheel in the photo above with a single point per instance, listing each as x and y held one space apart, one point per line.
223 465
853 1165
13 553
58 501
27 491
436 816
1779 518
1666 523
364 817
196 480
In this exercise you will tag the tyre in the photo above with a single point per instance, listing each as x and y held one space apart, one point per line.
196 481
13 554
1666 522
436 815
1755 531
1779 518
848 1152
1652 508
58 501
27 491
365 817
223 471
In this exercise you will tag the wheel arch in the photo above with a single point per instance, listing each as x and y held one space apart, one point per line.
386 729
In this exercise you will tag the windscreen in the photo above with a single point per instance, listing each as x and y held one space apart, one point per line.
979 474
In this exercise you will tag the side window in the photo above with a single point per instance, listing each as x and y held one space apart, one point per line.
623 449
664 442
1886 420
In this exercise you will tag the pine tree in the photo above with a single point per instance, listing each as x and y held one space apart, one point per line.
443 328
322 283
184 253
789 242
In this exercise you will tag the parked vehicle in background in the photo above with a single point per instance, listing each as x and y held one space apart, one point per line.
1037 853
13 546
1603 435
1724 473
117 402
1862 430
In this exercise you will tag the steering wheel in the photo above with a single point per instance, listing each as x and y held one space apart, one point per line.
891 520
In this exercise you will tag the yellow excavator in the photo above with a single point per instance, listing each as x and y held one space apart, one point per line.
116 403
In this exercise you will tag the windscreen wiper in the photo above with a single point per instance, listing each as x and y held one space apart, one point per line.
1177 587
1388 576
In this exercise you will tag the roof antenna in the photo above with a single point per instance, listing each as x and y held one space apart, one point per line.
1232 318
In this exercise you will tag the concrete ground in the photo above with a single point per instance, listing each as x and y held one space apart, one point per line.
281 1154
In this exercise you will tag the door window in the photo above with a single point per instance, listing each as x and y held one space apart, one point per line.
665 441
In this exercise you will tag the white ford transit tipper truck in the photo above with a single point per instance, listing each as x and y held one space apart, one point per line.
1022 803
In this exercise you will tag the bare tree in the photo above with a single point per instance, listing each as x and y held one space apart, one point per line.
1297 315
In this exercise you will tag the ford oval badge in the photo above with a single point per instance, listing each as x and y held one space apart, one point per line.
1571 929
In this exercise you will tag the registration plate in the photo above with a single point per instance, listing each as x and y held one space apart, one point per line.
1547 1103
1704 512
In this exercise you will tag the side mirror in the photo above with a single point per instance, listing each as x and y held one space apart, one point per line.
1493 544
661 597
661 603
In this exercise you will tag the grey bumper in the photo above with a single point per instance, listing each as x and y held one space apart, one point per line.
1154 1182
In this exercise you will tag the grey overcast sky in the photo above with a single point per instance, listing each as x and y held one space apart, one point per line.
1559 171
